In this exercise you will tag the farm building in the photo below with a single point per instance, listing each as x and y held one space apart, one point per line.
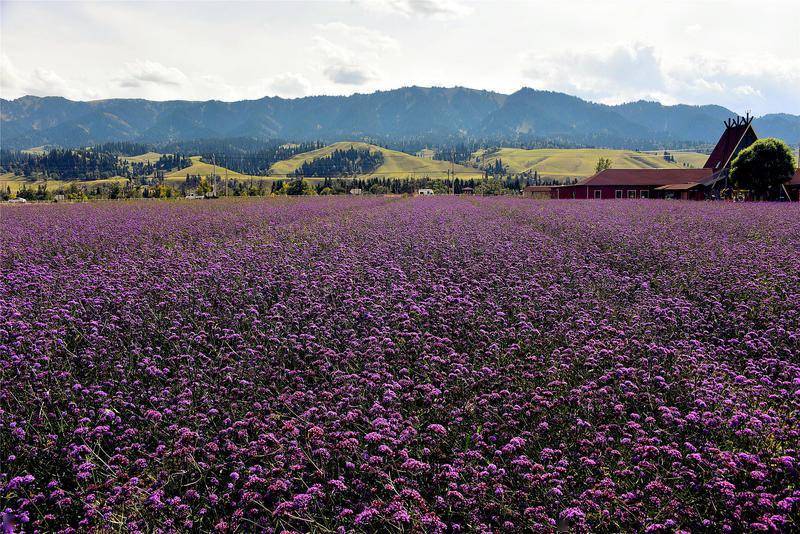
425 192
685 184
537 191
426 153
638 183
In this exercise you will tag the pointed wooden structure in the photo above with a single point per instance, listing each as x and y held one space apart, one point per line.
738 135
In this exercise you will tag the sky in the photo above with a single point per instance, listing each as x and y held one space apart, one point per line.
744 55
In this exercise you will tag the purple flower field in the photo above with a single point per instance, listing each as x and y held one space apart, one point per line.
436 364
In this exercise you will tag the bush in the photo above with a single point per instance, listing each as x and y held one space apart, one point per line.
762 167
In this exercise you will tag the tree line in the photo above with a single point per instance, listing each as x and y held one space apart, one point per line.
83 164
348 162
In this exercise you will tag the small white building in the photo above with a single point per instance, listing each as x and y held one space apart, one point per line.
355 191
425 192
426 153
18 200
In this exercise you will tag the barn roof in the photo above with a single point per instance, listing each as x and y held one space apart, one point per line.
726 146
647 177
678 187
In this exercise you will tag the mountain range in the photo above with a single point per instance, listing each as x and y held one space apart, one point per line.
432 114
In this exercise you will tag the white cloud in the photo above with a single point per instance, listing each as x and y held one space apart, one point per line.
629 72
10 79
348 74
359 36
289 85
141 72
620 72
348 52
38 82
437 9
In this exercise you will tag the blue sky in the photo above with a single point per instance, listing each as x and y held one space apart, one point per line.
743 55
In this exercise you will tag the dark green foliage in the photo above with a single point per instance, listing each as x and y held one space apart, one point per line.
84 164
62 164
295 187
602 164
762 167
123 148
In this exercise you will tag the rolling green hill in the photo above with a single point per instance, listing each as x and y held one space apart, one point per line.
693 159
15 183
395 165
148 157
576 163
202 168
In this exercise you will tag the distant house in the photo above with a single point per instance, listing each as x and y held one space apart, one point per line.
18 200
537 191
425 192
355 191
467 191
426 153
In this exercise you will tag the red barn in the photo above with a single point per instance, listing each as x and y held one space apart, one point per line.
681 183
637 183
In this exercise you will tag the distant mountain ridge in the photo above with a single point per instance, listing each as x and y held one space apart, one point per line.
431 113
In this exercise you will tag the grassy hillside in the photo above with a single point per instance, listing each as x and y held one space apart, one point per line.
15 183
204 169
693 159
396 164
38 150
574 163
147 157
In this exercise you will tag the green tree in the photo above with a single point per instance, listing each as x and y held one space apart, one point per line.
378 189
491 187
762 167
295 187
602 164
203 187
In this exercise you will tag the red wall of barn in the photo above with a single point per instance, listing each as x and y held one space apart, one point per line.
608 192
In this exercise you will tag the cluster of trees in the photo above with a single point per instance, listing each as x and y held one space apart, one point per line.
85 164
348 162
602 164
241 154
254 161
124 148
204 185
82 164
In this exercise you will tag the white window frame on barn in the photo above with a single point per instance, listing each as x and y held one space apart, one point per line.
598 194
643 193
618 193
631 193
